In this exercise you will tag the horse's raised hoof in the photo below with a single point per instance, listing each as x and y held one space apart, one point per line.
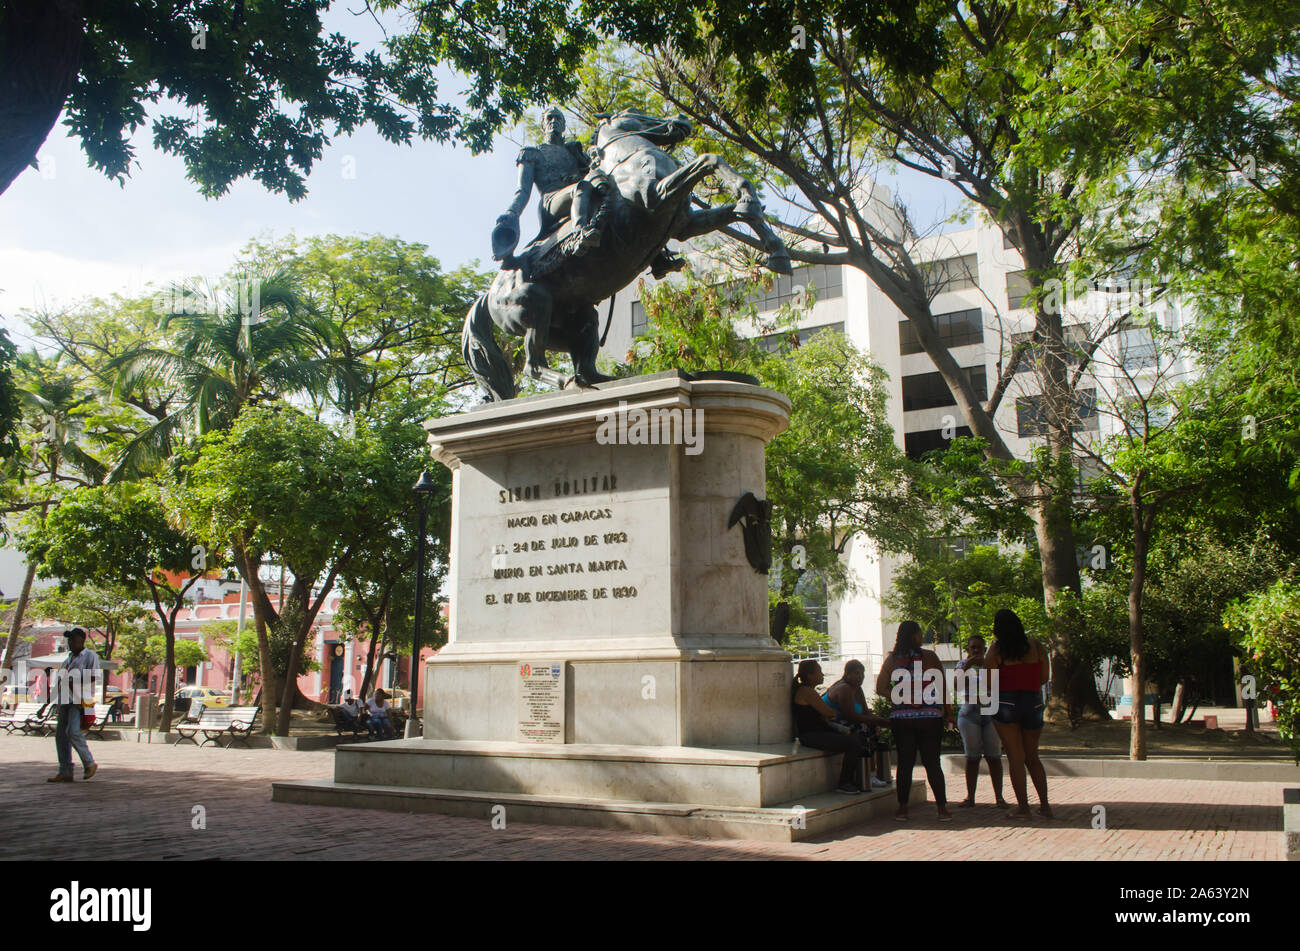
589 380
778 264
665 263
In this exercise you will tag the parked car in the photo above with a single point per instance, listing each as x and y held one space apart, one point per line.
112 693
398 698
12 695
188 694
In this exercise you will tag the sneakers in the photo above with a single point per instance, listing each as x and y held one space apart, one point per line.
878 783
847 789
59 779
90 771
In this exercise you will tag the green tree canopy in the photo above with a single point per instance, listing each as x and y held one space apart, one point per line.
279 485
110 609
258 88
836 473
121 536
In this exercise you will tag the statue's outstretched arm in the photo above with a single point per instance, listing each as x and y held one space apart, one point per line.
524 190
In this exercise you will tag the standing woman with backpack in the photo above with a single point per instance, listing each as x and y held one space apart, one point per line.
1022 666
917 719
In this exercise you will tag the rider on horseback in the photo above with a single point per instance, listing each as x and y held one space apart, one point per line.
567 182
570 185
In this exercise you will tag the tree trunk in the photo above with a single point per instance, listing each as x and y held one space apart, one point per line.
20 610
266 674
375 640
169 675
1073 688
1180 702
40 55
291 674
1142 521
301 594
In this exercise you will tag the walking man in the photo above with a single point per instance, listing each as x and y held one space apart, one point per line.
70 694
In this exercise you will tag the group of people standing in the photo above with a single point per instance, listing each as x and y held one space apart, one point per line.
841 721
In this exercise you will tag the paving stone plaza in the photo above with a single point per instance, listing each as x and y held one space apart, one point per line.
151 791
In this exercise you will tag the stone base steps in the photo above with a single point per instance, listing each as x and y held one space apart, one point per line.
813 816
753 776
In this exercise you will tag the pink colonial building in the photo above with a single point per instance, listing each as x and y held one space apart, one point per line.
342 661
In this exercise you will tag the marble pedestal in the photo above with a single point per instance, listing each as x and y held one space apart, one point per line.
590 541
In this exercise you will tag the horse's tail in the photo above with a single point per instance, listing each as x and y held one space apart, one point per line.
482 355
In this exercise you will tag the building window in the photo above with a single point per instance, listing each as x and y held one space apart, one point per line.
1007 243
928 390
951 274
639 323
1033 415
1018 289
795 338
1076 340
1137 347
960 328
919 443
825 281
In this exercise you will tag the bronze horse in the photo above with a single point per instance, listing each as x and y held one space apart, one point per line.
551 301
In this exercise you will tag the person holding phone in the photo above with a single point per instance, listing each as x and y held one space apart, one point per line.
979 737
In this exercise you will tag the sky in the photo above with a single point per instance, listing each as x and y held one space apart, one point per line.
68 232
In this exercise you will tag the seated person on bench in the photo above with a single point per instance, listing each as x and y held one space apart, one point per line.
846 698
377 707
812 722
349 709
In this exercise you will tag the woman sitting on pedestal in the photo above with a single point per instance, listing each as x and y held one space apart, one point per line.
812 723
846 698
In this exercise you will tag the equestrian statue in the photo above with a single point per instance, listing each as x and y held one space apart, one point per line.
606 214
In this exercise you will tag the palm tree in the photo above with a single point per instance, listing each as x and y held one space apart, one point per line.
55 405
254 339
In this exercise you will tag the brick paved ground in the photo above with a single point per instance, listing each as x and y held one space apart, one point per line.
140 806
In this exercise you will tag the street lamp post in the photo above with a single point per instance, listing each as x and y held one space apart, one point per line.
423 488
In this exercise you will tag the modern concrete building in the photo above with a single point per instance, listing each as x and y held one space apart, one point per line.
979 289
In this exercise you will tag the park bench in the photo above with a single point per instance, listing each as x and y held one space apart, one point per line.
37 722
101 719
216 722
23 717
342 725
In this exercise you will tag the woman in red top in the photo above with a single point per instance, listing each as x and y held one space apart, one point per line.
1021 663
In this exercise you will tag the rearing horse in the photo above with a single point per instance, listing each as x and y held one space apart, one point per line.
554 307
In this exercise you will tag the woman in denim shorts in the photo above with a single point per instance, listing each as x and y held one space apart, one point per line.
1021 663
979 737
